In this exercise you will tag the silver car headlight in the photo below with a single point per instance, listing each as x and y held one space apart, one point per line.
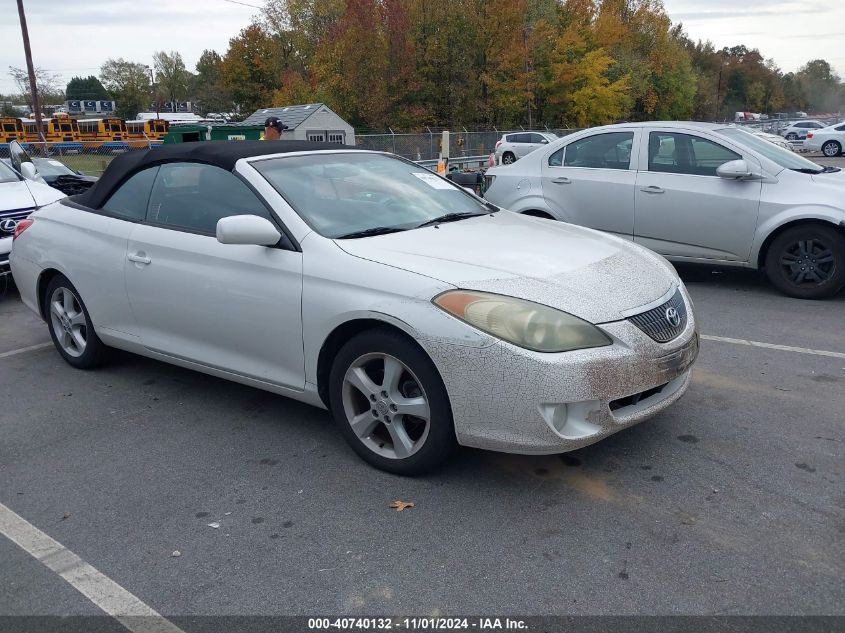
523 323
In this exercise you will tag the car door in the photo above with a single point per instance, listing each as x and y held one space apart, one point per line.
590 181
226 306
683 209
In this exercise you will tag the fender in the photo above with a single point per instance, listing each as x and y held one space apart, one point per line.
820 213
538 202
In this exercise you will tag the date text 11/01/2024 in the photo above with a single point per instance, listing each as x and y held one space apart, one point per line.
417 624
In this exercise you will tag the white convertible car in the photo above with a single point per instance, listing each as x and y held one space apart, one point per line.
422 316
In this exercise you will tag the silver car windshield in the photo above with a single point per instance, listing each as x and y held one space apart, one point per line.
352 194
7 174
779 155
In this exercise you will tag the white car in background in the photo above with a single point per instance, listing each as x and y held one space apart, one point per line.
19 197
421 315
514 145
774 139
830 141
797 131
693 192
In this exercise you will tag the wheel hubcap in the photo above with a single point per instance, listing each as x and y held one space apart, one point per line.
386 405
808 263
68 322
831 150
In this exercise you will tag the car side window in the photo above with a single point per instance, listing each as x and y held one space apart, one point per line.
675 153
194 196
538 138
611 150
841 128
130 199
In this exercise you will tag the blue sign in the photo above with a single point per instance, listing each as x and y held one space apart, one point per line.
106 106
73 106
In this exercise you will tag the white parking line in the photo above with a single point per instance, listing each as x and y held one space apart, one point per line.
783 348
24 350
98 588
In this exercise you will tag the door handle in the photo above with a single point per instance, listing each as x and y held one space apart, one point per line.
561 180
652 189
139 258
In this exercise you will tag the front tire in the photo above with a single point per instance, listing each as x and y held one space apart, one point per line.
792 136
70 325
390 403
807 261
831 149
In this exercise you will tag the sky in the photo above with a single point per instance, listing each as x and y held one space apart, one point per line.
75 38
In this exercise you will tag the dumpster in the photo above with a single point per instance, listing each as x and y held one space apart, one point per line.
212 132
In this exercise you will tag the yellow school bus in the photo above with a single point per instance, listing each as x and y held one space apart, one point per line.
11 129
102 132
59 131
147 130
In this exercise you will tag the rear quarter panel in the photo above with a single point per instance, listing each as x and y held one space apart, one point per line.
90 250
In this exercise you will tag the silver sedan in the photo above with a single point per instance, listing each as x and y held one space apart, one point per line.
693 192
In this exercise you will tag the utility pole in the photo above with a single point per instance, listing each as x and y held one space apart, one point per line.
36 105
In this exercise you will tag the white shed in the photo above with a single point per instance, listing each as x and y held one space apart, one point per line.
308 122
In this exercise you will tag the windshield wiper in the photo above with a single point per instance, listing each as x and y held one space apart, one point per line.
807 170
376 230
450 217
830 169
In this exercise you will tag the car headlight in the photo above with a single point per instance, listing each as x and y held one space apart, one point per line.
523 323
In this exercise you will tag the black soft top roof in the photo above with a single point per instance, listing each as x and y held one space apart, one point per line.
220 153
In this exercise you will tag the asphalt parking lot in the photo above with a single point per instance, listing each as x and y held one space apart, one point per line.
730 502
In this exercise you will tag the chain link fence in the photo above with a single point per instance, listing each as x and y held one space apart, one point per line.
425 146
89 157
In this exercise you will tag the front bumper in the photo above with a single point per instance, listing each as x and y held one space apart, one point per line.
509 399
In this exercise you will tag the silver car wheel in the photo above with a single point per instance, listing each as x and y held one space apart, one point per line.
386 406
508 159
831 149
68 321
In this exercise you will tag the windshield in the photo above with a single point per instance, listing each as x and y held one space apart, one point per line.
7 174
343 194
781 156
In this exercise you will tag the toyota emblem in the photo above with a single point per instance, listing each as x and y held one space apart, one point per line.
673 317
8 226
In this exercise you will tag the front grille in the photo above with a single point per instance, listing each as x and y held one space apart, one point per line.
657 322
18 214
629 401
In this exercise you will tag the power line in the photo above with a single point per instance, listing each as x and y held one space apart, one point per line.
243 4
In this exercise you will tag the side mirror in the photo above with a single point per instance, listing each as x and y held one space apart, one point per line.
545 141
247 229
29 171
736 170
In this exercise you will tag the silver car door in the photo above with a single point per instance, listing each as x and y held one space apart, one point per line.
683 209
590 181
231 307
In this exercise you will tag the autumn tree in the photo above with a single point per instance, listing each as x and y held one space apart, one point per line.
250 70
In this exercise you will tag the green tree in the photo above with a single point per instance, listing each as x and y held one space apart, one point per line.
81 88
208 89
171 76
128 83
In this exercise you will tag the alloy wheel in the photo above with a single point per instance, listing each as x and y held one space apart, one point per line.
386 405
808 262
68 322
831 149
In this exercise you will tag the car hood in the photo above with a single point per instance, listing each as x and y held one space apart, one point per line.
14 196
591 275
834 179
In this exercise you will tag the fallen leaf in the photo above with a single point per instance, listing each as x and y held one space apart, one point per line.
401 505
214 525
